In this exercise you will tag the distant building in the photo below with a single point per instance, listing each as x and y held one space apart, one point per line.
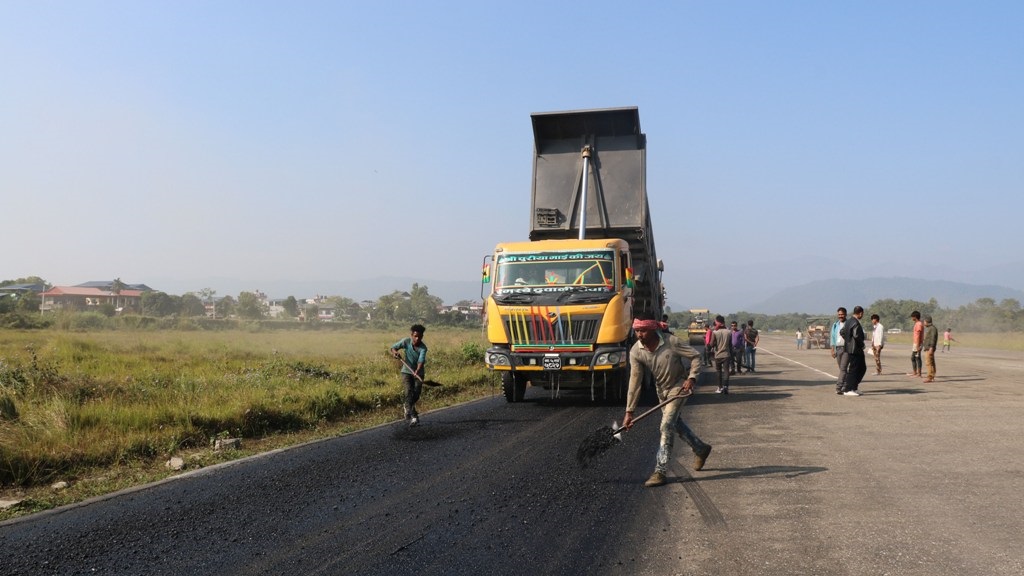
89 298
475 308
22 288
275 307
108 285
326 312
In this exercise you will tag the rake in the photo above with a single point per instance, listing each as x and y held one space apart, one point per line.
417 376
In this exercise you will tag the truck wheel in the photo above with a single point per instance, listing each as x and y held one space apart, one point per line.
620 387
514 386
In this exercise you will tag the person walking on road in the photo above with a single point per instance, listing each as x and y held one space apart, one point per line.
721 346
856 367
799 340
877 341
928 345
738 348
947 337
915 349
752 339
415 357
662 356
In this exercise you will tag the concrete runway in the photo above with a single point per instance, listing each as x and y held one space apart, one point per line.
908 479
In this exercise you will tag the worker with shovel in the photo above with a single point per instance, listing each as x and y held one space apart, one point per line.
412 352
662 356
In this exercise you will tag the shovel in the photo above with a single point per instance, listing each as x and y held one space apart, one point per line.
599 441
417 376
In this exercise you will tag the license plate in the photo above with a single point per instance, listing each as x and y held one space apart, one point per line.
552 363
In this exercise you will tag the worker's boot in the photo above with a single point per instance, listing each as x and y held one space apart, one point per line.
656 479
700 456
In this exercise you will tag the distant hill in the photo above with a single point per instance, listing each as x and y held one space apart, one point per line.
794 285
823 296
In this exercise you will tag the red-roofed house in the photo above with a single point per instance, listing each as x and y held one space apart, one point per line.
79 298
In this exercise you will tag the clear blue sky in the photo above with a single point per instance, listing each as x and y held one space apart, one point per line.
176 142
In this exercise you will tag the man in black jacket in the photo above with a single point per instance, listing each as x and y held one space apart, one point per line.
853 335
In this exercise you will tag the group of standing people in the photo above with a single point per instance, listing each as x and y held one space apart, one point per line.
847 343
730 350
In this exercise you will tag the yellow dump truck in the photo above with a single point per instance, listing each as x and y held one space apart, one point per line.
559 307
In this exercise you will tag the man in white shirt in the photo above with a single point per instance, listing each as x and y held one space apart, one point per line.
877 342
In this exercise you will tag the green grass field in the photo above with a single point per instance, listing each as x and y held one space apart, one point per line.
106 410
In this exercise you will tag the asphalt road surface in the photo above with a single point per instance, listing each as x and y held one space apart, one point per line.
908 479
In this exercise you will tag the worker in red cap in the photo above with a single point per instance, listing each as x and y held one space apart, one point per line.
662 356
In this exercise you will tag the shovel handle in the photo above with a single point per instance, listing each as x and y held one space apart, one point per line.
672 398
406 364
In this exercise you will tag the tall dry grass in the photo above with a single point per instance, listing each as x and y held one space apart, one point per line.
71 403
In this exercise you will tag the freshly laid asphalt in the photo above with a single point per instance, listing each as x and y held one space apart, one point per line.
910 478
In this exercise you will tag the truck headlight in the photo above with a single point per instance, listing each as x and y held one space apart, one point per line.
608 358
497 360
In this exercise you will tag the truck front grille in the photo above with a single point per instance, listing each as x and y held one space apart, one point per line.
537 328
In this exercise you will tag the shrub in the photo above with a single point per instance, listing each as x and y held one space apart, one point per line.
327 406
86 321
472 353
22 321
8 410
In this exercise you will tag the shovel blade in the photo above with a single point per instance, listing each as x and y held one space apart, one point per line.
617 435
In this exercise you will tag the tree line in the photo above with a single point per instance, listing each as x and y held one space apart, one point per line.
983 315
415 305
418 305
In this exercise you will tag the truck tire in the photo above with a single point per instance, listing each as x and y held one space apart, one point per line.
620 387
514 386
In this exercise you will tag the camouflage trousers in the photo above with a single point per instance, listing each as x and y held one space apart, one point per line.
672 424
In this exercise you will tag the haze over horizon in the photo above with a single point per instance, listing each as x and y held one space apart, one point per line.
173 143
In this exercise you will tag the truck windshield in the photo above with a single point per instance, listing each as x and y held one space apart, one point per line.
545 272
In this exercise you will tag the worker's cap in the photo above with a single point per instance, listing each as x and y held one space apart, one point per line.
927 318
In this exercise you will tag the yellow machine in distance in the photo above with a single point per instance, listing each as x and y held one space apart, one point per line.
699 322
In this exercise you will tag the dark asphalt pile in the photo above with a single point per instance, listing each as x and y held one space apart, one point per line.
597 443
